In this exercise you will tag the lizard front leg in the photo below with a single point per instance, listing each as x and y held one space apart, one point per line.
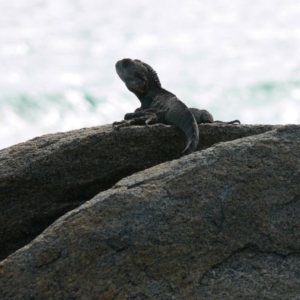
139 113
155 115
142 117
146 118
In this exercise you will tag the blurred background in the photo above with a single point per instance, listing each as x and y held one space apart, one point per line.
239 59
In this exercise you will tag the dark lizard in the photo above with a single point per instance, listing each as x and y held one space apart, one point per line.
159 105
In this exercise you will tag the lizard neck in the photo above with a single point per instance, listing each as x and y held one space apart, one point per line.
147 98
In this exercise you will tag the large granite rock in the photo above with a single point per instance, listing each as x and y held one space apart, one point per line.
42 179
222 223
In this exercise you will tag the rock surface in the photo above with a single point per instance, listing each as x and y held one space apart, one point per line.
222 223
42 179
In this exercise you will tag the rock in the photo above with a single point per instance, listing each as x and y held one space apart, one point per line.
42 179
222 223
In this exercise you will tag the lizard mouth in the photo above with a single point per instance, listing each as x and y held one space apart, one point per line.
119 69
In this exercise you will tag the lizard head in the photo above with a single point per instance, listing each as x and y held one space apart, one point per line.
137 76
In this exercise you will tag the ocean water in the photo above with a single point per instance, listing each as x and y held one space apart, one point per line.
239 59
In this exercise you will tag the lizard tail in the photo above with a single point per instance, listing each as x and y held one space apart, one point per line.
185 120
192 134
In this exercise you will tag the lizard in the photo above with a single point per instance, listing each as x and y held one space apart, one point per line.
159 105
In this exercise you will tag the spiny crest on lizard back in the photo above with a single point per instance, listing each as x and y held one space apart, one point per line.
153 74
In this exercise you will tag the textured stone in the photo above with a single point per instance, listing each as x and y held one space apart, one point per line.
222 223
42 179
